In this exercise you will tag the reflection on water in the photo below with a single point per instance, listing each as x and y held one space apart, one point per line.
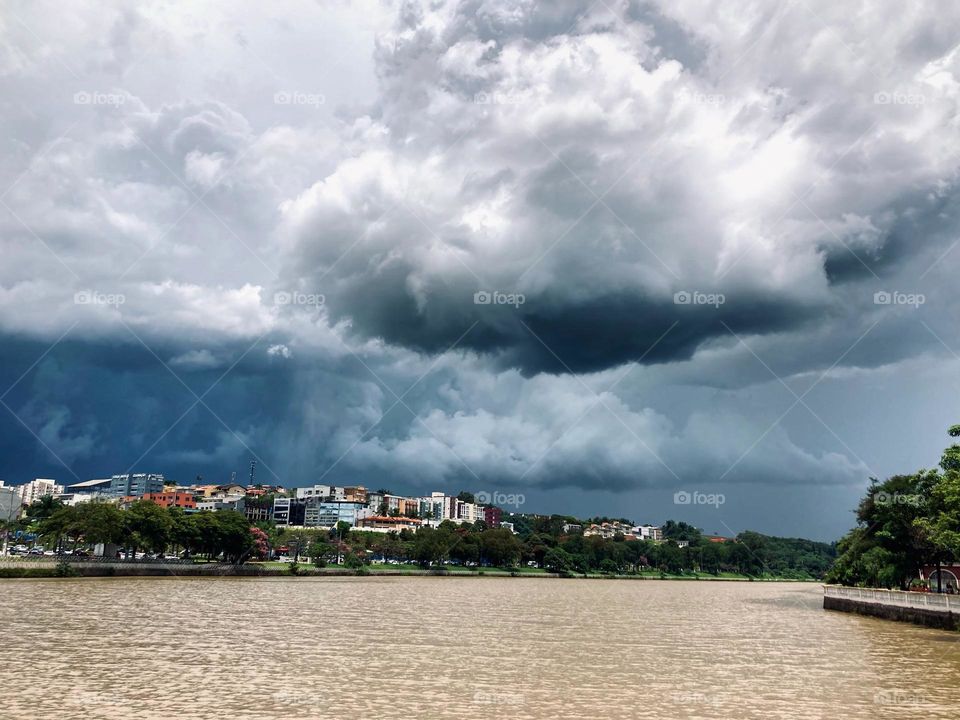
458 648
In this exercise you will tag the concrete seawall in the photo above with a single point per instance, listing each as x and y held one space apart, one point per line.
919 616
929 610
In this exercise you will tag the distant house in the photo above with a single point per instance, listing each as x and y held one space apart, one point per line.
609 530
231 489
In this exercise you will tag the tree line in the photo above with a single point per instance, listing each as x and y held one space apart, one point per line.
144 526
540 541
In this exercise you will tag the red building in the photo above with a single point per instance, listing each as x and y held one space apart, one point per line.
491 516
172 499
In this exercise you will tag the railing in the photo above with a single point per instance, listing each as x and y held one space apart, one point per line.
11 559
921 600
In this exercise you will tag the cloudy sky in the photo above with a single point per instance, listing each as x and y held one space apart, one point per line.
597 254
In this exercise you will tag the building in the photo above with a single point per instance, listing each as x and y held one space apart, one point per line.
256 512
648 532
172 499
135 484
230 490
77 498
89 487
387 523
32 491
943 579
328 514
469 512
492 515
609 530
9 504
217 504
289 512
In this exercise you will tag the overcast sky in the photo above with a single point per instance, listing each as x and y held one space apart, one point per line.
596 254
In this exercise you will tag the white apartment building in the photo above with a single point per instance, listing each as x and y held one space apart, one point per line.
648 532
322 492
469 512
35 489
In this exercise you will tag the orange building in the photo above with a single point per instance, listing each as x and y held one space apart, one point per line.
172 499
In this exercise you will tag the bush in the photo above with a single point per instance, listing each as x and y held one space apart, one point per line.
64 569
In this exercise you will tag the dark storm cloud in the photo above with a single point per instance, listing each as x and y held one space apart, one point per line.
597 158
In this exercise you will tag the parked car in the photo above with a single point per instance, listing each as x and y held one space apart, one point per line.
36 551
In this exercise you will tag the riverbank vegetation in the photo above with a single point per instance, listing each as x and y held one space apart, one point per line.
553 544
904 523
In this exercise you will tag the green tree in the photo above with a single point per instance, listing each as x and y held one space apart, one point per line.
558 560
148 526
236 541
102 522
500 548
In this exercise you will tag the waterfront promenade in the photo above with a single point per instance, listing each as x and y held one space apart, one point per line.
923 608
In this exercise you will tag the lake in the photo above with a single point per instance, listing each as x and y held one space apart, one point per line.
421 647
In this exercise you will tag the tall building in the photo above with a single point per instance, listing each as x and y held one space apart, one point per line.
491 516
289 512
35 489
136 484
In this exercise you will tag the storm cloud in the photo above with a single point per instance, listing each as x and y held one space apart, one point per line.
612 248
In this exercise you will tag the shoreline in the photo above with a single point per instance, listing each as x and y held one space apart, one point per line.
36 570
